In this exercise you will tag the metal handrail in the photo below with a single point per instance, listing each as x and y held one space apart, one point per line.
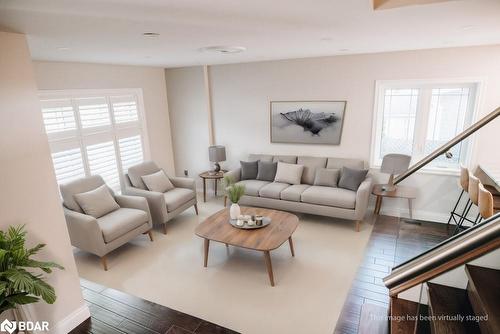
450 250
443 149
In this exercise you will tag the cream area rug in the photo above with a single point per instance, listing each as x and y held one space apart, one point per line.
234 290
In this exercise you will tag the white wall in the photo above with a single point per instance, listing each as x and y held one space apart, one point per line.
241 94
28 190
57 75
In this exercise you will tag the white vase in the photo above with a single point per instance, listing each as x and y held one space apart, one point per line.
234 211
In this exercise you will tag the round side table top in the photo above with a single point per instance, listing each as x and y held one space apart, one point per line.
212 175
399 192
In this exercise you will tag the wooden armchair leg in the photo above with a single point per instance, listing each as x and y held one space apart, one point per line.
196 209
225 201
358 224
150 233
164 228
104 263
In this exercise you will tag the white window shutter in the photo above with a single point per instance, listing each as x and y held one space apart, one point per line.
130 151
68 165
124 108
102 161
58 115
93 112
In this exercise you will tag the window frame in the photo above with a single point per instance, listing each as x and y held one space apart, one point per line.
83 137
422 117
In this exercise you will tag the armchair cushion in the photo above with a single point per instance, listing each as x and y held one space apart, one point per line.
84 184
136 172
157 182
177 197
120 222
97 202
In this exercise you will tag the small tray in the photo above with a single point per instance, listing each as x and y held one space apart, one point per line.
265 221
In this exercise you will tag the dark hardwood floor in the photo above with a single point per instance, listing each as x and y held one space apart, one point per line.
392 242
113 311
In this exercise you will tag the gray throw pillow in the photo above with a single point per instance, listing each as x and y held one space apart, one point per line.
158 182
97 202
327 177
249 169
352 178
267 171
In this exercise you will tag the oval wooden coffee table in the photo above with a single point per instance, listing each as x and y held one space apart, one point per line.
217 228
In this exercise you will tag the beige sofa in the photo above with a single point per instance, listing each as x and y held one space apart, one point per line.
305 197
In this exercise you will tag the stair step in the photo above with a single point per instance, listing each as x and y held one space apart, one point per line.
484 294
423 326
450 308
373 319
405 311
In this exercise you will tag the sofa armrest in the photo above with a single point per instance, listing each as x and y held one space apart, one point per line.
234 174
156 202
84 232
363 197
134 202
183 182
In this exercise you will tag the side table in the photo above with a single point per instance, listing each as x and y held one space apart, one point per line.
409 193
209 175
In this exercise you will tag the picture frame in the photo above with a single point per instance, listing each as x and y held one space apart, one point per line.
316 122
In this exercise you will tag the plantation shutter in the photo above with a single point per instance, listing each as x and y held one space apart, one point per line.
58 116
124 108
102 161
94 112
68 165
130 151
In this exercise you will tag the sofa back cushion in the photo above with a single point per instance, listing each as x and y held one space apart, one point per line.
97 202
267 171
338 163
261 157
310 165
136 172
289 159
84 184
327 177
249 169
288 173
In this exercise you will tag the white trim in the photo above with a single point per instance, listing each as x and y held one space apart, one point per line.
72 320
479 82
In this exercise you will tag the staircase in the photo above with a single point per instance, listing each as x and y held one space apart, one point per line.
453 310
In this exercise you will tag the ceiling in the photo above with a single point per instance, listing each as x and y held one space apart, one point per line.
110 31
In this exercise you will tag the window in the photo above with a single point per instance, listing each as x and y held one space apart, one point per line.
94 133
415 118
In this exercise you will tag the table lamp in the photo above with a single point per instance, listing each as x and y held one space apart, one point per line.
217 154
394 164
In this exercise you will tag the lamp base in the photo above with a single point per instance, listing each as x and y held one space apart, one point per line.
388 187
216 167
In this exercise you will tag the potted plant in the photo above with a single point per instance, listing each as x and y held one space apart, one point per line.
20 283
234 193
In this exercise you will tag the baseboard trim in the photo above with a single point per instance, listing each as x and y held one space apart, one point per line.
69 323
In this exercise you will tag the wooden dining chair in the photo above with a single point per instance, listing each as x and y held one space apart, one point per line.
486 209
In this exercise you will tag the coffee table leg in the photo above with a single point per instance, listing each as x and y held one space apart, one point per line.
206 245
291 246
267 258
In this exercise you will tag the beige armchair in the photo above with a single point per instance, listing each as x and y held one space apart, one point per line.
103 234
164 206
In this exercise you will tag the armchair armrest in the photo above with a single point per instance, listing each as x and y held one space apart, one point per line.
235 174
183 182
134 202
156 203
84 232
362 197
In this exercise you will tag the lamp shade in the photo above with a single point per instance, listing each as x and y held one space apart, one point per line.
217 153
395 163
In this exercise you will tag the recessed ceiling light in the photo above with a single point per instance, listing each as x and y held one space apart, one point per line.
327 39
63 48
225 49
467 27
344 50
150 34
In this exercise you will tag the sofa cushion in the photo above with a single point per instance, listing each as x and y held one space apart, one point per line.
338 163
289 159
267 171
252 187
157 182
327 177
273 190
135 173
293 192
352 178
120 222
177 197
310 165
261 157
97 202
341 198
249 169
84 184
288 173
